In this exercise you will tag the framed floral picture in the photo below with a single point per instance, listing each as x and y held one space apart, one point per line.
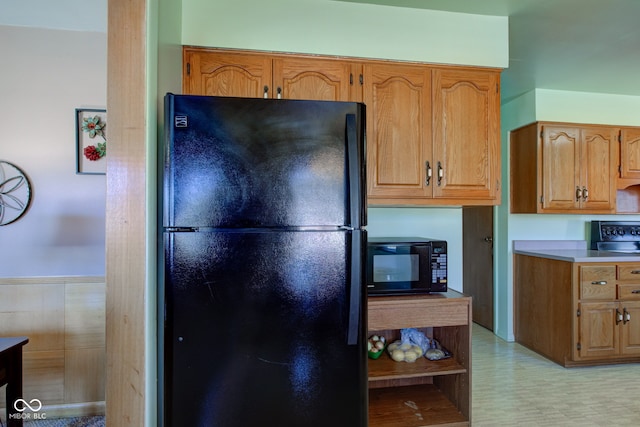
91 141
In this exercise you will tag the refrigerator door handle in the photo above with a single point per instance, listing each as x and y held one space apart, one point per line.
354 170
354 291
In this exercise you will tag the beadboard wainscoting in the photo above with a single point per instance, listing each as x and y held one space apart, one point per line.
64 361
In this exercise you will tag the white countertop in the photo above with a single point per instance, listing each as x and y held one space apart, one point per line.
569 250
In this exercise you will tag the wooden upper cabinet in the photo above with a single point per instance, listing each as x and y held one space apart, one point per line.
432 131
256 75
563 168
466 134
597 168
226 74
433 135
630 153
577 168
397 99
317 79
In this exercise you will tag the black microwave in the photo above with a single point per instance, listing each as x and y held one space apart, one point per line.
406 265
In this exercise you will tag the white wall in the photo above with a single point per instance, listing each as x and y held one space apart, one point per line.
76 15
46 74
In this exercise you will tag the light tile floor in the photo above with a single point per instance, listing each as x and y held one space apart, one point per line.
513 386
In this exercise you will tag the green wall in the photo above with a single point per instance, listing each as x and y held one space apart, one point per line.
349 29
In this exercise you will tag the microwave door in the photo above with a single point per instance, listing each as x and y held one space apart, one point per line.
399 269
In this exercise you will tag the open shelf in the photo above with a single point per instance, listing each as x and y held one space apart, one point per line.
425 392
385 368
412 406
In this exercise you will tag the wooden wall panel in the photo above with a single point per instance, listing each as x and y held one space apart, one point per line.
84 315
86 381
35 310
64 361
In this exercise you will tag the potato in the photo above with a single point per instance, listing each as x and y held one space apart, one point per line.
397 355
410 356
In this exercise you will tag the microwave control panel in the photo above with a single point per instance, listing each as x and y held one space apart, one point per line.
439 262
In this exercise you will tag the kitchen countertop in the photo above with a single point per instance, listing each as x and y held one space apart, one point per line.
569 250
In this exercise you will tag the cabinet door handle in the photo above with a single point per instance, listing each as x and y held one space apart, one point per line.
627 316
585 194
266 92
279 92
635 291
427 179
601 282
578 194
440 173
618 316
635 272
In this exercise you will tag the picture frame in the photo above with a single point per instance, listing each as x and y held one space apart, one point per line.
91 141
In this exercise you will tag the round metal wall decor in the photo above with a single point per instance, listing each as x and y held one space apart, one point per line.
15 193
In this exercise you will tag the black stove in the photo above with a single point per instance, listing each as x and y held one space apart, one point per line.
615 236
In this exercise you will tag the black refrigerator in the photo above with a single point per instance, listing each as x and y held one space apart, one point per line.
262 296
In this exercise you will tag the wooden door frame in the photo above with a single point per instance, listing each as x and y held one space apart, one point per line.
126 212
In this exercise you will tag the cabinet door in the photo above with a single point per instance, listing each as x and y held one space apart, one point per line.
226 74
317 79
560 167
598 332
630 153
597 168
466 134
398 130
630 327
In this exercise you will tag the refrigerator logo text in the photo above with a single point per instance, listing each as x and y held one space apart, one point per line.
181 121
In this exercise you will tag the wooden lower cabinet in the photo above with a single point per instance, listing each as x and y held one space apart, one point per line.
423 393
578 313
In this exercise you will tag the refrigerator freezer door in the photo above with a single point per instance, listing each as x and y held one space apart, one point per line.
251 163
257 330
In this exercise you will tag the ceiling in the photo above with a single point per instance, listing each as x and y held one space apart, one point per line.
573 45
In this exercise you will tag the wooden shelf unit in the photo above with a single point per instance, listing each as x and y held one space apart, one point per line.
424 393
